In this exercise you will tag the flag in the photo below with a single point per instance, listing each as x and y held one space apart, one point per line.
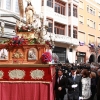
81 43
91 45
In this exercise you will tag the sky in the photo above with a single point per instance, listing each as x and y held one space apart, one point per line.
98 1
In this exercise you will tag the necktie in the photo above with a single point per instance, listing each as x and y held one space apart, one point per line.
73 78
58 79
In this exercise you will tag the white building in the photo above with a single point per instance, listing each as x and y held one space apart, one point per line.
63 23
8 14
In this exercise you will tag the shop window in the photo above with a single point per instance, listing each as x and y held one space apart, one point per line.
80 59
61 53
70 50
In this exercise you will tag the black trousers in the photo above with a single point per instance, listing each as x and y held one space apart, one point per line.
59 97
73 96
98 97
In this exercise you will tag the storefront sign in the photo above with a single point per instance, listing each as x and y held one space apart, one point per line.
81 54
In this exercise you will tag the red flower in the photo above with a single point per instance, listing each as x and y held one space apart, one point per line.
46 57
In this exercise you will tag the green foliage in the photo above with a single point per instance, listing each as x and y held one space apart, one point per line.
33 41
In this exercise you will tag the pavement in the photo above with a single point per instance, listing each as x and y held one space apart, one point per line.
66 97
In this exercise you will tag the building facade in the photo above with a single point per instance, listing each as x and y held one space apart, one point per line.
9 12
63 26
62 16
88 30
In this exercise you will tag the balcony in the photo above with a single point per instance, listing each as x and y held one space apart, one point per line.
49 11
60 18
62 39
73 20
74 1
64 0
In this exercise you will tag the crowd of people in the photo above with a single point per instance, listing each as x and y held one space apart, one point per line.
81 80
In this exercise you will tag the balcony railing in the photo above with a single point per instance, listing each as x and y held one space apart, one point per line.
62 39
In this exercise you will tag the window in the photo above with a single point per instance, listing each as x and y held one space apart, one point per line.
50 25
88 22
81 36
94 25
42 3
60 7
99 14
94 12
8 4
0 3
81 4
59 29
74 10
99 27
74 32
70 50
69 31
80 59
50 3
61 53
91 23
91 10
91 38
69 10
87 8
16 6
98 40
81 19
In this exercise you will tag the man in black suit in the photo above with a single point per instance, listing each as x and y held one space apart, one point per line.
60 86
74 85
98 85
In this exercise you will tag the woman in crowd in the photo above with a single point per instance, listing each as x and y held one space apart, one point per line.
86 85
93 84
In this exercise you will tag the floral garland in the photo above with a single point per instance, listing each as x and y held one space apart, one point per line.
17 41
46 57
48 43
24 28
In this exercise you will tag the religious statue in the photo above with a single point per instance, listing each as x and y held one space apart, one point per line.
29 11
3 54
